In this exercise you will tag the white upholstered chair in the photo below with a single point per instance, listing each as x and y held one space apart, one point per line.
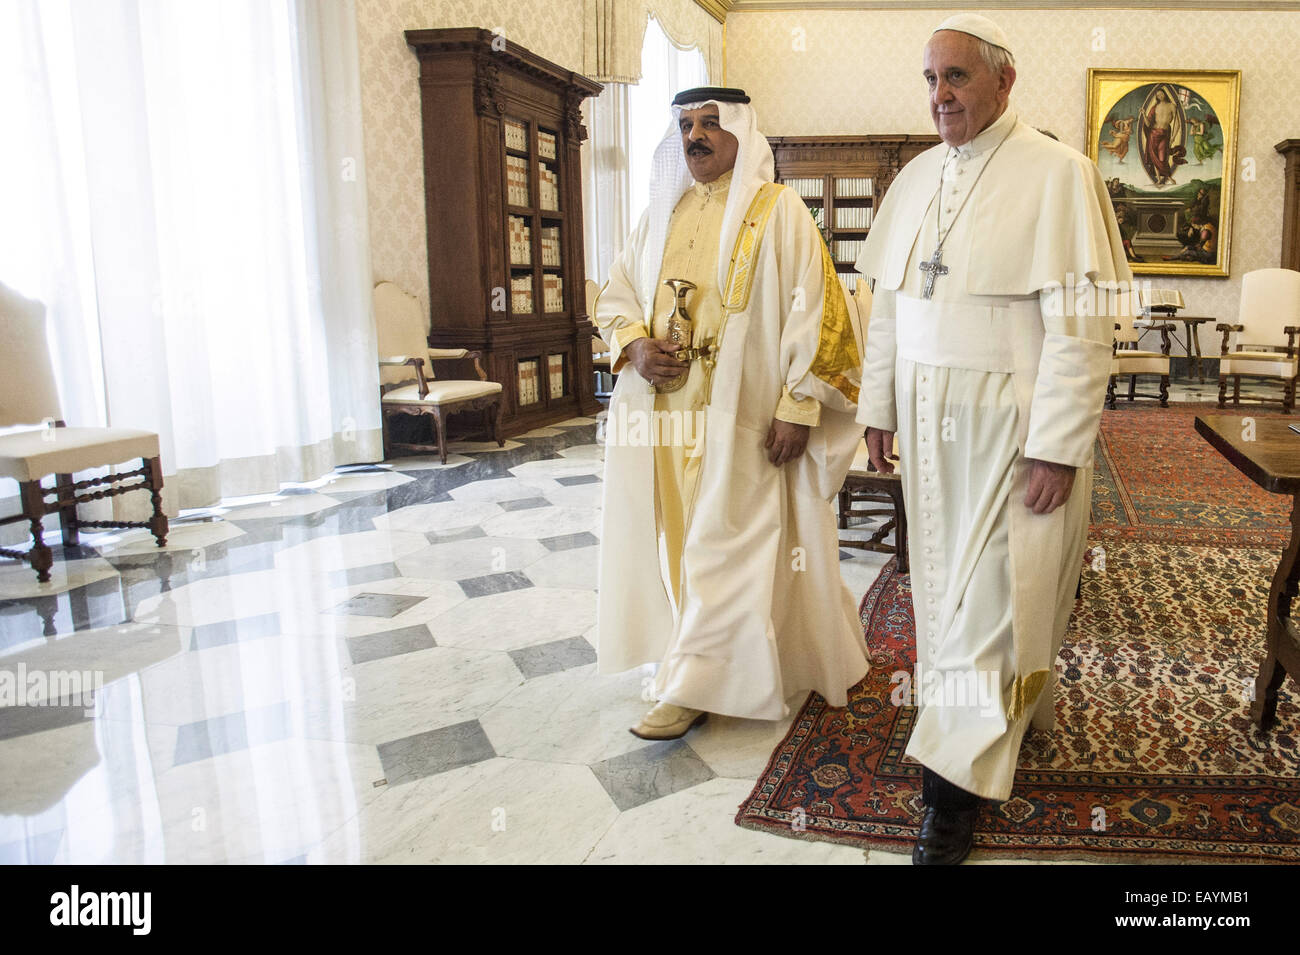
1127 360
29 396
1270 309
403 354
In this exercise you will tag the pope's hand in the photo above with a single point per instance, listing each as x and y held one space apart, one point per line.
653 359
879 445
785 441
1049 485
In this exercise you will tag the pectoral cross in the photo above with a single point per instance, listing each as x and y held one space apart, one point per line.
932 269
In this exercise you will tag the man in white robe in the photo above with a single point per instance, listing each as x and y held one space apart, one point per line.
987 353
719 553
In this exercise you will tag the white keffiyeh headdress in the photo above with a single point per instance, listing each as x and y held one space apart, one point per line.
670 178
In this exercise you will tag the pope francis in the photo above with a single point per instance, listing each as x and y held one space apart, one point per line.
729 432
993 381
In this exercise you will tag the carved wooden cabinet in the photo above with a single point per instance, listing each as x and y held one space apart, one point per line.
842 180
503 204
1290 148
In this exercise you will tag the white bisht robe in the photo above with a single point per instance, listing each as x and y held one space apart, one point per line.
764 611
1008 361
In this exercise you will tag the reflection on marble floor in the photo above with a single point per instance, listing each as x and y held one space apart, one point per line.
394 664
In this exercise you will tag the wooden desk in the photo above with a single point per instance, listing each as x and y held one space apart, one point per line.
1191 343
1271 460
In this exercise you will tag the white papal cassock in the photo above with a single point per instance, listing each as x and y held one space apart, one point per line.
761 610
997 368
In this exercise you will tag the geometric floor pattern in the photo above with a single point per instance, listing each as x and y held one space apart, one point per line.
394 664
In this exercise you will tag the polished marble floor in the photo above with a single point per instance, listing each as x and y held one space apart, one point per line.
394 664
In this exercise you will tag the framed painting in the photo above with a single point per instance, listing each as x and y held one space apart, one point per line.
1166 144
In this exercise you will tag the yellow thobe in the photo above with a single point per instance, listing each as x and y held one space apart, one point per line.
690 253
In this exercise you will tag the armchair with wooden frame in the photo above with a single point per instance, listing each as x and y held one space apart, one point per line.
29 396
1270 308
403 353
1128 360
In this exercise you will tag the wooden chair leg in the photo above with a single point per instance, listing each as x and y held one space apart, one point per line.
442 434
496 424
1236 391
158 522
1110 393
843 519
1132 387
1164 391
900 531
383 425
67 510
1223 389
41 557
1288 396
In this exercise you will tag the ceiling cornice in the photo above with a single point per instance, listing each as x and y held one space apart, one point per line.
718 9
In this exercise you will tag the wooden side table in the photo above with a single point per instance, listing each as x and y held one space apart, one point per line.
1191 342
1271 460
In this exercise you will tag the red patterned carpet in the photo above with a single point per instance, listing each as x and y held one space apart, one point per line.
1153 758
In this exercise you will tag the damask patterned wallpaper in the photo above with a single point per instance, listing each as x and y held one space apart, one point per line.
842 71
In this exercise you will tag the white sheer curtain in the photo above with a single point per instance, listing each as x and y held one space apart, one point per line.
186 194
626 123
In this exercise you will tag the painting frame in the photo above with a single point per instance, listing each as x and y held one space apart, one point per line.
1165 142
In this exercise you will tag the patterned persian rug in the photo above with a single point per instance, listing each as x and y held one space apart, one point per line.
1154 757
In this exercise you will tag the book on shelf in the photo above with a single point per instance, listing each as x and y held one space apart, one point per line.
853 187
807 188
848 250
853 217
555 366
521 247
552 293
551 246
521 294
528 382
545 144
516 180
516 135
548 187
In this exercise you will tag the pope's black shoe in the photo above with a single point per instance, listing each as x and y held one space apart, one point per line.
946 836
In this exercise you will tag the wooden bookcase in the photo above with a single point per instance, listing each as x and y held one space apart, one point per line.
503 205
842 180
